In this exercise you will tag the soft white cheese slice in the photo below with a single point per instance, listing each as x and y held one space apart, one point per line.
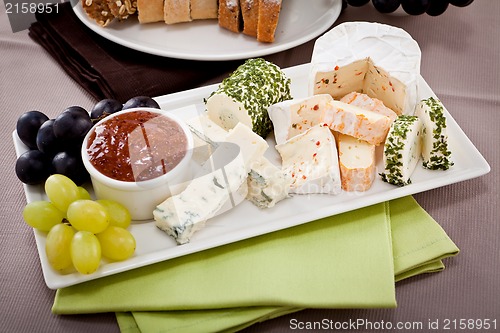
356 162
310 161
295 116
402 150
435 150
376 59
252 145
221 186
354 121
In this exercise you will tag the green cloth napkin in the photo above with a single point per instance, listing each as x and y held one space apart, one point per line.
351 260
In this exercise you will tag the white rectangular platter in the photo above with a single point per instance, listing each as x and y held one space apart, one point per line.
246 220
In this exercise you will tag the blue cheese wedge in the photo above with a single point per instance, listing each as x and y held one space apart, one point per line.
356 162
402 150
379 60
435 151
246 94
267 184
295 116
310 161
357 122
220 187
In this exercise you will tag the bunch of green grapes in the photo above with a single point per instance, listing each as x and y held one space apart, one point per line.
80 230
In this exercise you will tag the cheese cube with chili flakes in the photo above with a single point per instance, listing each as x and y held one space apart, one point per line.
310 161
357 163
354 121
294 116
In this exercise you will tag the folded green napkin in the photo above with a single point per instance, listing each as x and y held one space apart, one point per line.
343 261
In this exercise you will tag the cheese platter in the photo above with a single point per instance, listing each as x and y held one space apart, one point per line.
247 220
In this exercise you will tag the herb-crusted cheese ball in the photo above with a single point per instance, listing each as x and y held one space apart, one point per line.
435 152
246 94
402 150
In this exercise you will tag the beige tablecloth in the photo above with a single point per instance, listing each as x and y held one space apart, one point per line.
460 61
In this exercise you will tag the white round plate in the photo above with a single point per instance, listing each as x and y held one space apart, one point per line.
299 22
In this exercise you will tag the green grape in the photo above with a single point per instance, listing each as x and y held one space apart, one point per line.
88 215
118 215
61 191
116 243
85 251
84 194
57 246
42 215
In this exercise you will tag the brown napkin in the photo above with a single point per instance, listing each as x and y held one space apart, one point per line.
108 70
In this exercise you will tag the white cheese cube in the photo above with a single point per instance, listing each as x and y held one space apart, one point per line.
359 123
310 161
295 116
356 162
252 145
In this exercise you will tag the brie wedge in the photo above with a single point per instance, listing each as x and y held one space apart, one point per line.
379 60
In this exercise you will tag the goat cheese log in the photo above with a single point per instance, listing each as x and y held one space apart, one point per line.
402 150
435 152
246 94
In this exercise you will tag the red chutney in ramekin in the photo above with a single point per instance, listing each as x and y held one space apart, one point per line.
136 146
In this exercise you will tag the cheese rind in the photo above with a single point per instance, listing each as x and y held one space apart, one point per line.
359 123
377 59
402 150
356 162
435 151
295 116
246 94
310 161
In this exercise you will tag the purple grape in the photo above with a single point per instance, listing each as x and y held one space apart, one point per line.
357 3
104 108
72 125
461 3
386 6
70 164
415 7
141 101
437 7
28 125
46 140
33 167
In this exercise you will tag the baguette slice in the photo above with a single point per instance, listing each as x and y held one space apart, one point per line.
250 13
176 11
204 9
230 15
269 12
150 11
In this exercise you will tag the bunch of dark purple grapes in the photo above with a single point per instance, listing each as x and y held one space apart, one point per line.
54 145
412 7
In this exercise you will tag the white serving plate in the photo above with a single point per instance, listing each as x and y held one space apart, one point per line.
300 21
246 220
